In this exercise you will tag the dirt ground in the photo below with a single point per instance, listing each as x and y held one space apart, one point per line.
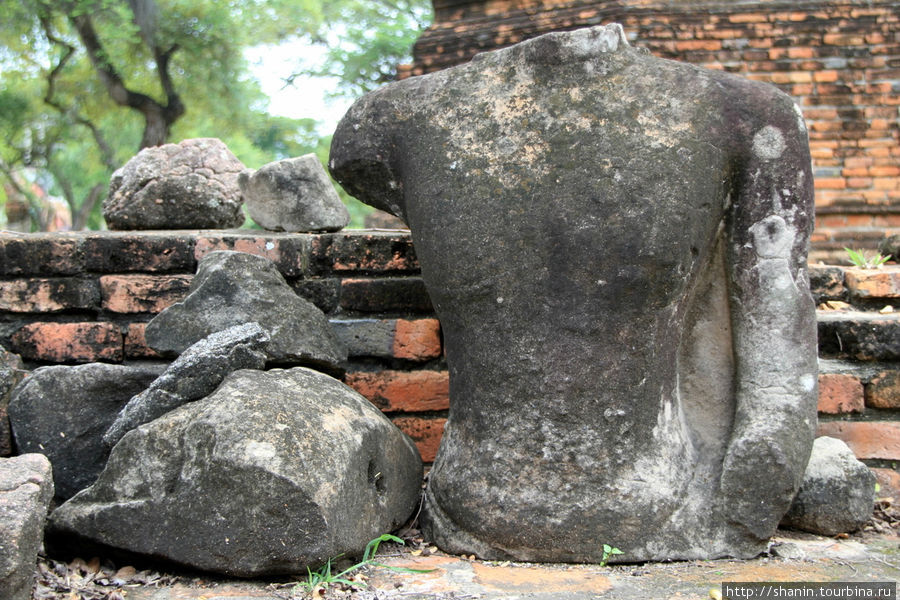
872 555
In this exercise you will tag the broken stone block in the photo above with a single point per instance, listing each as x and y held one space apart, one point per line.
62 412
189 185
233 288
274 471
294 194
193 375
837 494
26 488
615 245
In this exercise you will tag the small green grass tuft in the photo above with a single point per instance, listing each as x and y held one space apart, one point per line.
323 577
864 260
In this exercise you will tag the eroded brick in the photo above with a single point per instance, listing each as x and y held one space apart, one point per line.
69 342
143 293
888 484
883 391
867 439
123 252
417 340
49 295
840 393
40 254
385 294
290 253
376 252
426 432
136 342
874 283
403 391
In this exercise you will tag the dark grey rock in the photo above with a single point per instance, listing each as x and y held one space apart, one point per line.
193 375
837 494
891 245
274 471
26 489
62 413
366 337
233 288
12 371
190 185
860 335
294 194
827 283
615 246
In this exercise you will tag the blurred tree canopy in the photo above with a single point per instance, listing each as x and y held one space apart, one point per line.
84 84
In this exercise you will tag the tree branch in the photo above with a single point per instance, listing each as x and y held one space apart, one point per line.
106 152
157 117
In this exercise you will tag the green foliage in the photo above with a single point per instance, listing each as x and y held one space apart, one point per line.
61 125
365 41
609 552
322 577
866 260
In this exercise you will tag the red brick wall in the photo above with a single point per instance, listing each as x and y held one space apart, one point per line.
74 298
840 59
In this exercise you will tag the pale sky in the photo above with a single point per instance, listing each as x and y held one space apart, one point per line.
307 97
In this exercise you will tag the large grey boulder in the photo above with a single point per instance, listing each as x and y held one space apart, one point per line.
294 194
26 489
193 375
189 185
837 494
12 371
62 412
615 245
274 471
233 288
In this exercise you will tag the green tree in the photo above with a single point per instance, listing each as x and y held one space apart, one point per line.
86 83
365 41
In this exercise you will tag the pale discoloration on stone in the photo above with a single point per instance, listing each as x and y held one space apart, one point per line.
768 143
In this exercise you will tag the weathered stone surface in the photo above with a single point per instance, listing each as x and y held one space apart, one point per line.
837 494
294 194
233 288
62 413
273 471
193 375
864 336
615 246
12 371
827 283
190 185
26 488
891 245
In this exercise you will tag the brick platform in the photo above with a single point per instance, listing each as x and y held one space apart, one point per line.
75 298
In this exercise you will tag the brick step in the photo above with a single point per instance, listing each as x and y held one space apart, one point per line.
863 336
850 284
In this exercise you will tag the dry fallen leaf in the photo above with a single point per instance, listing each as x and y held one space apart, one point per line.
834 305
93 565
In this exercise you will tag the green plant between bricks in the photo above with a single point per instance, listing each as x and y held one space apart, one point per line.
867 260
322 578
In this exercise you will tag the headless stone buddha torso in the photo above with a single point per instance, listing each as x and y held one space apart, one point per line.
615 246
